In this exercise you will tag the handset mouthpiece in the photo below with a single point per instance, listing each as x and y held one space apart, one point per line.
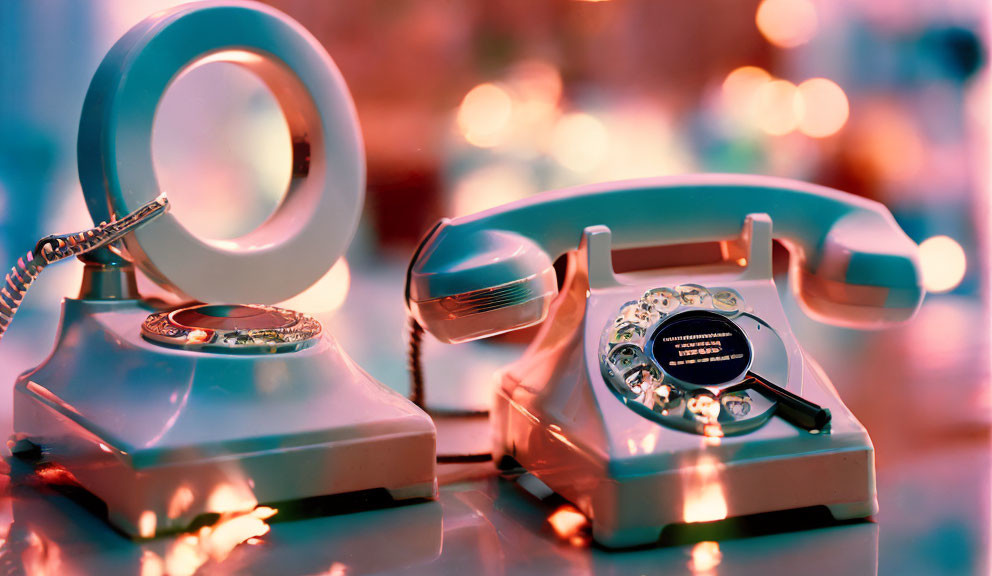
483 285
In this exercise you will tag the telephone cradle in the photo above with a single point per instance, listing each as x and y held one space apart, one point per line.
643 397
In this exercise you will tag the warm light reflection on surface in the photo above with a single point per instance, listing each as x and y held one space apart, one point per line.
336 569
484 115
943 263
147 523
580 142
197 337
570 525
189 552
821 107
227 498
42 557
713 431
786 23
775 110
631 446
648 442
236 56
218 540
706 556
555 431
181 500
704 406
703 497
152 564
327 294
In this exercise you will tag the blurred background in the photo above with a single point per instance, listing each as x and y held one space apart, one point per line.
467 105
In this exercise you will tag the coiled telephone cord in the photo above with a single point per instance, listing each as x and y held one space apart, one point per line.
55 248
16 285
417 396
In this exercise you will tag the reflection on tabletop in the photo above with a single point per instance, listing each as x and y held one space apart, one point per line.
482 524
920 389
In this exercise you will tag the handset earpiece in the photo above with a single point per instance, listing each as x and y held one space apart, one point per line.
867 274
487 283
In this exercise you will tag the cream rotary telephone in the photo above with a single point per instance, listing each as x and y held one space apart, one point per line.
168 415
675 395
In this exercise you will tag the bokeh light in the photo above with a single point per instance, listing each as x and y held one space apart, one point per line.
889 141
580 142
536 86
943 262
490 186
787 23
776 109
484 115
327 294
642 143
821 107
741 86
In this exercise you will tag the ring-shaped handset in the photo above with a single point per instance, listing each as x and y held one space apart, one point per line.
312 226
492 272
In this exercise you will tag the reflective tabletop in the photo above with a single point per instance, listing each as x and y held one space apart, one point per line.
922 391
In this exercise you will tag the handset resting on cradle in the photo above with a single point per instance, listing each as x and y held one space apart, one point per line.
852 264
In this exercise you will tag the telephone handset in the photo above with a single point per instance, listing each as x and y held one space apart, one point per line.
481 275
643 394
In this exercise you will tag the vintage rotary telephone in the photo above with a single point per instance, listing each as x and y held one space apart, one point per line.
170 414
676 395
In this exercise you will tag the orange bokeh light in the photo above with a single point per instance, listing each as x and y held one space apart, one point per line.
740 91
821 107
775 111
484 115
787 23
943 262
580 142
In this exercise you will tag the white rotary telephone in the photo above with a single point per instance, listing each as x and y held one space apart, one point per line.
673 395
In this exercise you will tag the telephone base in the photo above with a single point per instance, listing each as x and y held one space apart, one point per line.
629 502
163 436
